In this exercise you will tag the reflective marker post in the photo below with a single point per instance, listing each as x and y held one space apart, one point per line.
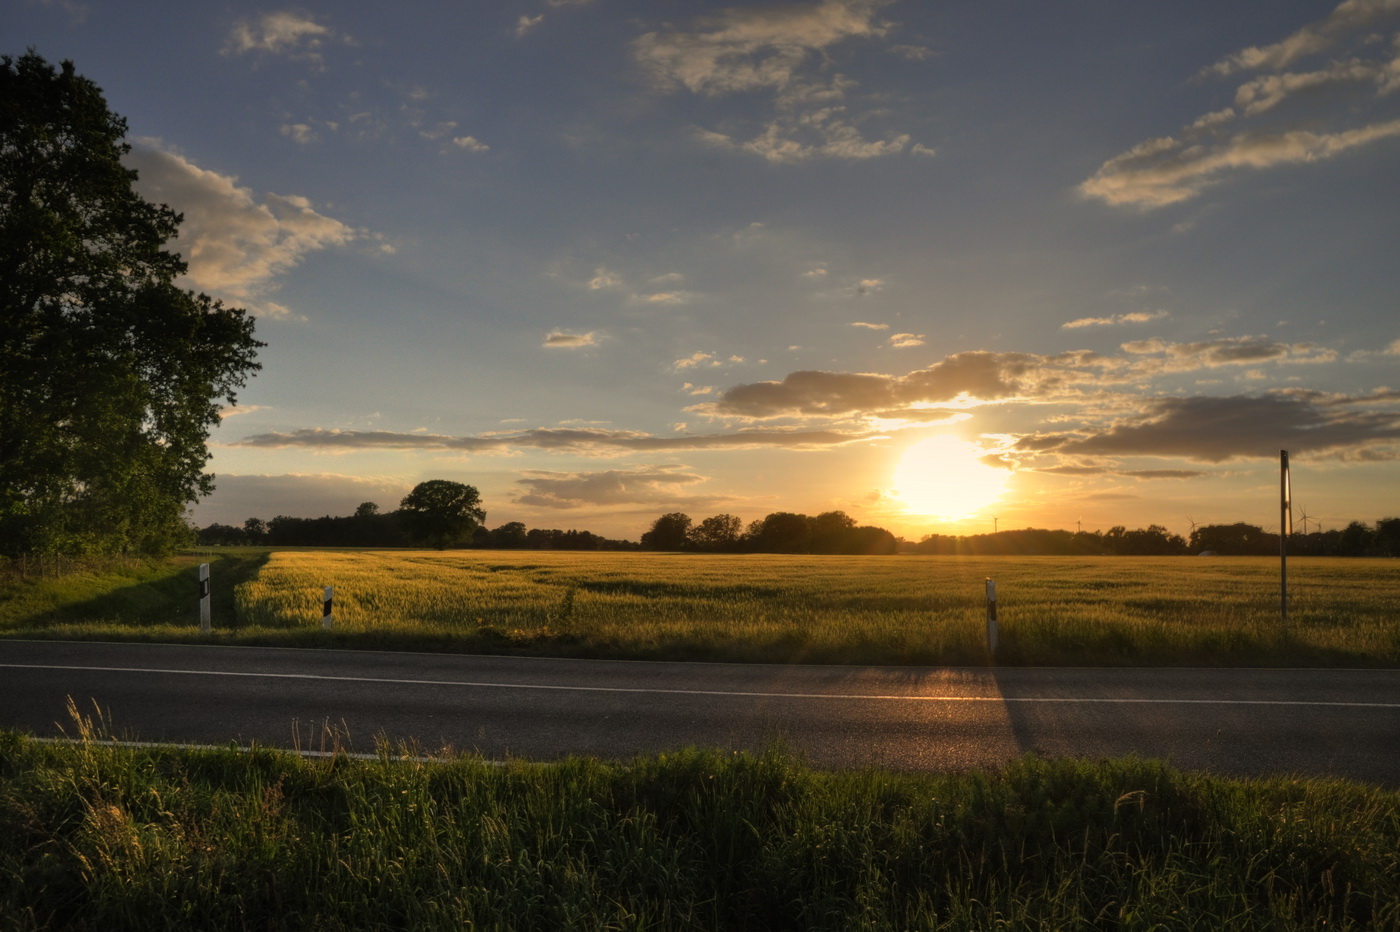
327 616
1285 528
992 616
204 622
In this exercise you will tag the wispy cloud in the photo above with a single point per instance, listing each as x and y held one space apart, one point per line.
284 32
1135 317
644 485
703 360
300 133
906 340
1279 117
235 245
771 49
869 326
664 297
575 440
1348 18
605 279
563 339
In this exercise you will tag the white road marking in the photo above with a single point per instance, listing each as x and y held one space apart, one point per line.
1086 700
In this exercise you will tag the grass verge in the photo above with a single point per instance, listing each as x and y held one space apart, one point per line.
99 836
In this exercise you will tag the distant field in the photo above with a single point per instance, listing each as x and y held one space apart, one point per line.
904 609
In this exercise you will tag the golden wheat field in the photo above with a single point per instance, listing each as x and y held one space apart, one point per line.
901 609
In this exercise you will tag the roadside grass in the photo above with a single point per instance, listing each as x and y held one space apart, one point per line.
766 608
95 835
125 599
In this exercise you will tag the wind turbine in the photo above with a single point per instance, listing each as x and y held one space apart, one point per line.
1304 518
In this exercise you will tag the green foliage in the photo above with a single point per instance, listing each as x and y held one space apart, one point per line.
98 836
110 375
441 513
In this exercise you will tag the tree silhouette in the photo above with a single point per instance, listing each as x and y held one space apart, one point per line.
668 532
441 513
717 534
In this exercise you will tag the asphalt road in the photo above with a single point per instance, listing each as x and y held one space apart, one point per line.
1342 723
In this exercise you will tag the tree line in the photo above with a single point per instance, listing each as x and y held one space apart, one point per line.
437 513
442 514
1357 539
780 532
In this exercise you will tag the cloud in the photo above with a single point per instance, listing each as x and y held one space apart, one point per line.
1265 93
869 326
1166 171
770 49
1163 473
575 440
705 360
696 360
1157 356
300 133
562 339
602 279
665 297
525 23
239 497
979 377
645 485
1216 429
238 410
1279 117
906 340
470 144
1136 317
279 33
1349 16
753 47
235 246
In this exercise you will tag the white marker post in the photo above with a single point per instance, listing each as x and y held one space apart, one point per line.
327 614
1285 529
204 618
992 616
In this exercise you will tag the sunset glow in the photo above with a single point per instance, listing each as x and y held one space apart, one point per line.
609 261
944 477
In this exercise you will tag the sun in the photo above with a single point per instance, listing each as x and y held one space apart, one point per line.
944 477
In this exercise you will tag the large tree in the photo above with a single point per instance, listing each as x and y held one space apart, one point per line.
442 513
111 377
668 532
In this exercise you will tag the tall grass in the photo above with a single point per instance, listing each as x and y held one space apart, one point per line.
903 609
99 836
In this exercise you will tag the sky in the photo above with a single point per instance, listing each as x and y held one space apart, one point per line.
944 266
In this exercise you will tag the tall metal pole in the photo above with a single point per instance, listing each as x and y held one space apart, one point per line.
1285 528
